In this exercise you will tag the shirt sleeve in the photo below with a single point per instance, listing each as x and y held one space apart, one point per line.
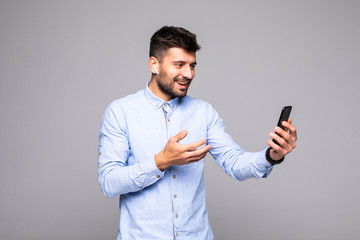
230 156
116 177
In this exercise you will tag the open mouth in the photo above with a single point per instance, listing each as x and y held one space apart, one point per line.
184 83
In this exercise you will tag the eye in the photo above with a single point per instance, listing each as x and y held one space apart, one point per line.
192 66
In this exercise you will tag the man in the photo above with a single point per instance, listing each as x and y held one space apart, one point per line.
153 143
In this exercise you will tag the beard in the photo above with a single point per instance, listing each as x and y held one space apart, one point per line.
168 88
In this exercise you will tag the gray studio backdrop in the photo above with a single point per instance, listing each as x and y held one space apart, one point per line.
63 62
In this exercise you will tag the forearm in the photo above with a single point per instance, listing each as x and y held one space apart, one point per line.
118 180
251 165
115 178
243 165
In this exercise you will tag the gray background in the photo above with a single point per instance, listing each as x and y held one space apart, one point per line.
63 62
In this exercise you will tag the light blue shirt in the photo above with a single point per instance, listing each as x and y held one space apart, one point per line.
170 204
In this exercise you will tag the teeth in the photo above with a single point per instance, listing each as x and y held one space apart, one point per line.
181 83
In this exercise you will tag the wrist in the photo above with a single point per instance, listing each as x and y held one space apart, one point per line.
160 163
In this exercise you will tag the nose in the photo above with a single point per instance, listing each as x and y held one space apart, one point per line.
188 72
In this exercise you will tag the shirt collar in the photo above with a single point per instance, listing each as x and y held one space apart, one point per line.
158 102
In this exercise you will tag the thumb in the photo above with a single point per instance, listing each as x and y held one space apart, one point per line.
180 135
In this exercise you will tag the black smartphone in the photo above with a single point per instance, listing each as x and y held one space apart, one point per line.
284 116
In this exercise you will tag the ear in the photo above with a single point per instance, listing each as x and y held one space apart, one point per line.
154 65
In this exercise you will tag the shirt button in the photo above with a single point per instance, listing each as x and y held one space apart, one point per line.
176 215
266 167
158 176
177 234
157 105
174 176
99 153
175 196
168 119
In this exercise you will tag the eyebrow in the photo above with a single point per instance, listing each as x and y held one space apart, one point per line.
183 62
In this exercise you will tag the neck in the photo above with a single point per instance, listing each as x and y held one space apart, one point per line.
154 88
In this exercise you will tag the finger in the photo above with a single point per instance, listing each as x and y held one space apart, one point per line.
196 159
193 146
288 125
292 130
286 143
179 136
190 157
198 152
285 140
282 133
294 135
281 141
278 149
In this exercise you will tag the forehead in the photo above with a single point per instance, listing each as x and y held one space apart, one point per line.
179 54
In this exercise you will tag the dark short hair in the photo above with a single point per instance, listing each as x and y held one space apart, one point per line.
168 37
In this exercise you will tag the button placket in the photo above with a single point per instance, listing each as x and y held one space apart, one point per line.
176 209
168 110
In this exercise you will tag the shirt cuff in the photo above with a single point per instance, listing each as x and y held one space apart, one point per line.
270 160
153 174
263 165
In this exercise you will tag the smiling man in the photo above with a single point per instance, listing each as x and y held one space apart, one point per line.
152 146
177 69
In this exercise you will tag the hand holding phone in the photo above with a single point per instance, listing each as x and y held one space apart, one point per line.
276 153
284 116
